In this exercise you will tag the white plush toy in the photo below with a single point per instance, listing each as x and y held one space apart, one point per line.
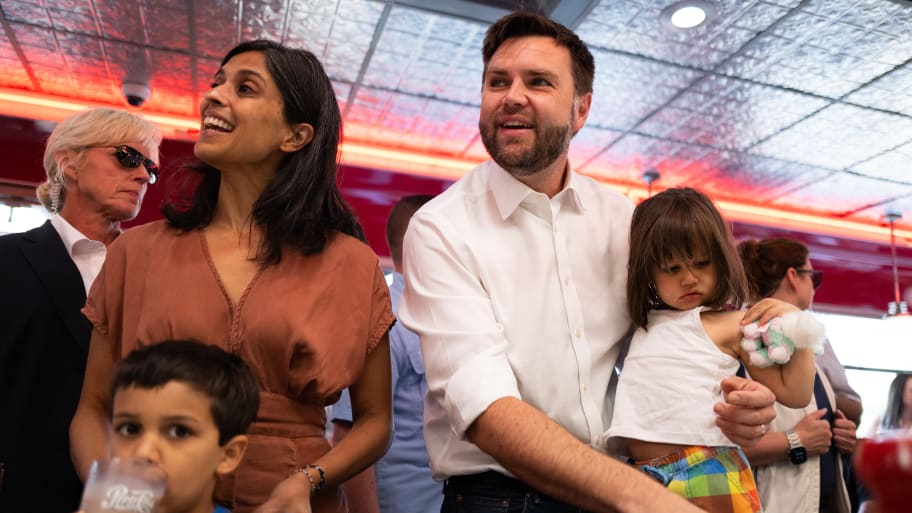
775 342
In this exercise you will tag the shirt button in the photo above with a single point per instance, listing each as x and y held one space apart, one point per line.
577 333
566 280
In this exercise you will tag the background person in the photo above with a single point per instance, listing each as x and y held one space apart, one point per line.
401 482
898 414
265 261
847 399
515 283
183 407
798 464
98 164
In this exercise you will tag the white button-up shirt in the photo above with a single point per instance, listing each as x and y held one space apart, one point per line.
515 294
88 255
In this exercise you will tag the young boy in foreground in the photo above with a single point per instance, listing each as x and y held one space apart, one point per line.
184 407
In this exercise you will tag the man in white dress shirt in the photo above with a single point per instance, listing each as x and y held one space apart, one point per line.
515 283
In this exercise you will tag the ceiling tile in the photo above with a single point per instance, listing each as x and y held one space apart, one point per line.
125 21
860 13
418 123
785 3
215 39
759 16
308 30
626 90
633 26
25 12
206 69
895 164
820 54
628 156
762 178
426 54
350 39
840 194
79 19
263 20
837 137
35 40
729 113
891 92
342 90
587 143
876 213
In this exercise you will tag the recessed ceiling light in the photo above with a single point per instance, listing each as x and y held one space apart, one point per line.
687 14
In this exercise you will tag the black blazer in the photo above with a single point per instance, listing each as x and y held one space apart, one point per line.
44 341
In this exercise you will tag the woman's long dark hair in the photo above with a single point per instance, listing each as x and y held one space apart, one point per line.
894 412
301 205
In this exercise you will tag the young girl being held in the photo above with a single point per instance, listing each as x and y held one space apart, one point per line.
685 287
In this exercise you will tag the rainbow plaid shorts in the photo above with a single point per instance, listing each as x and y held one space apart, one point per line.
716 479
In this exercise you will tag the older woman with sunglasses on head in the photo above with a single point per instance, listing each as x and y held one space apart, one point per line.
798 463
98 164
265 260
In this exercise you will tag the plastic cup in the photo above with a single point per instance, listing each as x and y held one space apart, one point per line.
124 486
884 464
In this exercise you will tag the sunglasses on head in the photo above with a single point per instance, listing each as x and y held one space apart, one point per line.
131 158
816 276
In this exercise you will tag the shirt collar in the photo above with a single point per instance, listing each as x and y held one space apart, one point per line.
572 189
509 192
70 235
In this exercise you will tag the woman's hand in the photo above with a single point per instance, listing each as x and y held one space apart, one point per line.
766 309
814 432
290 496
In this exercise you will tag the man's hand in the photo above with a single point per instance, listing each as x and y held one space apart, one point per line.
815 433
844 434
745 414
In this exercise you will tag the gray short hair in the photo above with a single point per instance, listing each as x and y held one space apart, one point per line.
94 127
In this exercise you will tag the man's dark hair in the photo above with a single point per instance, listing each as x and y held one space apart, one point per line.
397 222
223 377
523 23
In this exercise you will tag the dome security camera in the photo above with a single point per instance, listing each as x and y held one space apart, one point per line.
136 93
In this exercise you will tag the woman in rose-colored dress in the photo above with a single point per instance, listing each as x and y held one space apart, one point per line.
265 260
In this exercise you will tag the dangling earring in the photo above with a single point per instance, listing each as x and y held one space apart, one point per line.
654 300
56 185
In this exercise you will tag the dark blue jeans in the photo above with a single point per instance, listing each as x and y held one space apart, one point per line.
492 492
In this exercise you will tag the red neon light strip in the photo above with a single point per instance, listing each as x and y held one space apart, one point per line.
34 106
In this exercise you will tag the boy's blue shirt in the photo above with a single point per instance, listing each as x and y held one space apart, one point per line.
221 509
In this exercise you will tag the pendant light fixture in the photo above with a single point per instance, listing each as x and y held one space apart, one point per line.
897 307
649 176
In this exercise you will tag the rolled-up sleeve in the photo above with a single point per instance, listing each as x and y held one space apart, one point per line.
446 304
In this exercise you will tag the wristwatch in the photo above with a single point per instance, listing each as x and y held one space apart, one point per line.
797 453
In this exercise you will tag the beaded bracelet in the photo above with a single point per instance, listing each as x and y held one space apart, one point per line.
314 485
